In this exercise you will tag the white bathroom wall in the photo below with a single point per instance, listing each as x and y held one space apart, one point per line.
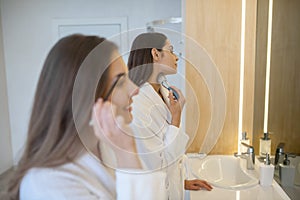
27 38
6 159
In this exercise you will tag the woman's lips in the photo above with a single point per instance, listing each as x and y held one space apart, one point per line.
129 108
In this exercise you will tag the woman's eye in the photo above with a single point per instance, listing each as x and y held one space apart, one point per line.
121 81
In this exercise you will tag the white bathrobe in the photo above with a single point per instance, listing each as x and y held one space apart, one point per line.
160 144
86 178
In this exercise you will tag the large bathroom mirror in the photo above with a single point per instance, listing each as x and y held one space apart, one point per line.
278 44
257 99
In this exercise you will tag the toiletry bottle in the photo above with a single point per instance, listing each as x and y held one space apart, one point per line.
286 172
297 173
244 140
266 172
264 145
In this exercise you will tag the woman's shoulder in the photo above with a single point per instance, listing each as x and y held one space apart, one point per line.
73 177
68 171
146 94
37 182
43 175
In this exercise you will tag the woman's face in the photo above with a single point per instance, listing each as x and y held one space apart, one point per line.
167 59
123 88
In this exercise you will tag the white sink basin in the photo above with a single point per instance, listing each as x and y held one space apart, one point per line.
226 172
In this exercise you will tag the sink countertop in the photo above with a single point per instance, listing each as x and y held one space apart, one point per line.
292 192
258 192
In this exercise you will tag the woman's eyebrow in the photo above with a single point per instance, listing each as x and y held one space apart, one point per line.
115 81
118 76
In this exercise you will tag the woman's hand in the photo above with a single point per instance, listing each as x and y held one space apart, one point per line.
197 185
176 106
112 130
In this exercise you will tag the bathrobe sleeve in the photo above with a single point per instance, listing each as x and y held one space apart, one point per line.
135 186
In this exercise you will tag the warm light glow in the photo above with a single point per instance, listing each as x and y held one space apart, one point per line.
237 195
242 65
268 66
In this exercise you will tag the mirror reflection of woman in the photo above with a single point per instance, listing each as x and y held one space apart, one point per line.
73 110
157 114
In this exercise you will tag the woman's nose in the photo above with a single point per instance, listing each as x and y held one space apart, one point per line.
134 89
176 57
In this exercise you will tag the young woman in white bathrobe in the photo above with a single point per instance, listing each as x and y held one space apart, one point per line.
157 114
83 96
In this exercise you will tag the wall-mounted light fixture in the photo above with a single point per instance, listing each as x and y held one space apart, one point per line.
267 85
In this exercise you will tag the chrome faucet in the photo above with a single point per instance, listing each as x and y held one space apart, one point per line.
279 155
249 156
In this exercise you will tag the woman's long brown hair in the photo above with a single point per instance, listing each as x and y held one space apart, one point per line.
140 61
52 138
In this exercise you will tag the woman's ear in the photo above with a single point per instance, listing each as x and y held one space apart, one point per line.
155 54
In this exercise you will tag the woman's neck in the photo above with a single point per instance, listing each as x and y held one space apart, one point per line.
153 81
156 87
